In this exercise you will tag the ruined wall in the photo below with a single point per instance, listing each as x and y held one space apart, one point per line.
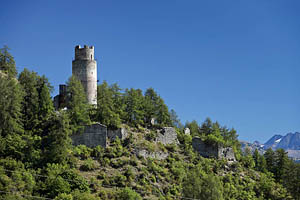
204 149
98 134
212 150
92 136
167 135
120 132
227 153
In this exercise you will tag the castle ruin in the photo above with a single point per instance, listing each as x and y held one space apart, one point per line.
84 67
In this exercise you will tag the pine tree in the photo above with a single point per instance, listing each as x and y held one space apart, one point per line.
281 161
163 115
107 111
7 62
134 101
10 106
56 141
30 103
270 160
175 120
78 108
151 104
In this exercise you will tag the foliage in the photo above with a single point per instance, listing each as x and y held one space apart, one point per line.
7 62
78 109
10 107
200 185
109 105
88 165
128 194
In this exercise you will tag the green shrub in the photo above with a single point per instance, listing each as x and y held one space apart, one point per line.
64 196
88 165
128 194
82 151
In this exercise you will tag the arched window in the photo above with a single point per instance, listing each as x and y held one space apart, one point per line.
91 57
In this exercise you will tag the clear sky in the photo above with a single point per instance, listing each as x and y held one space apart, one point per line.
237 62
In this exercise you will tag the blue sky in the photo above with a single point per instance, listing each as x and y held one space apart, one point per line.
236 62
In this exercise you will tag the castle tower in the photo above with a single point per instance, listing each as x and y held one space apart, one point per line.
84 67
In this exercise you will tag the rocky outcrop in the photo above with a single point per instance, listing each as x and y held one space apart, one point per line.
159 155
167 135
187 131
212 150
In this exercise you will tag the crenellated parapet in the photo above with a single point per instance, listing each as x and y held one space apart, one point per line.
85 53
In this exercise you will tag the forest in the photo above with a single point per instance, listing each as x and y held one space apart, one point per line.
38 160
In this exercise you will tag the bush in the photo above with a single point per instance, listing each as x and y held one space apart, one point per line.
88 165
97 152
128 194
82 151
64 196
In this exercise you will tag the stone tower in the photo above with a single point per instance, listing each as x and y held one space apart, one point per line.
84 67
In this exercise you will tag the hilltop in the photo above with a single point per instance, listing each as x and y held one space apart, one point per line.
39 161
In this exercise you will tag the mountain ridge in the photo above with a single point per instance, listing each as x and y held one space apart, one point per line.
290 142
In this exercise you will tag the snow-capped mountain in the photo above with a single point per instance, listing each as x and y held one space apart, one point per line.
290 143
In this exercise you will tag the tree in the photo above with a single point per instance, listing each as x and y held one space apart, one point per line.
206 127
37 105
194 127
46 107
156 108
291 177
7 62
108 105
56 141
163 115
151 104
175 120
281 161
260 161
200 185
10 106
270 160
134 101
78 108
30 103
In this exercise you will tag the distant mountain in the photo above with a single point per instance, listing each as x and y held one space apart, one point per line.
290 143
253 146
273 141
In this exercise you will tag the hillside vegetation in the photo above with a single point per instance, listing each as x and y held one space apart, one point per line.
37 160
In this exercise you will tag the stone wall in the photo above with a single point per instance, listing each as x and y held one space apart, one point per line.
92 136
167 135
120 132
98 134
227 153
204 149
212 150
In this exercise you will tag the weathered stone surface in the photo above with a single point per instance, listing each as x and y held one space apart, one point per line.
167 135
187 131
120 132
84 67
227 153
92 136
159 155
212 150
